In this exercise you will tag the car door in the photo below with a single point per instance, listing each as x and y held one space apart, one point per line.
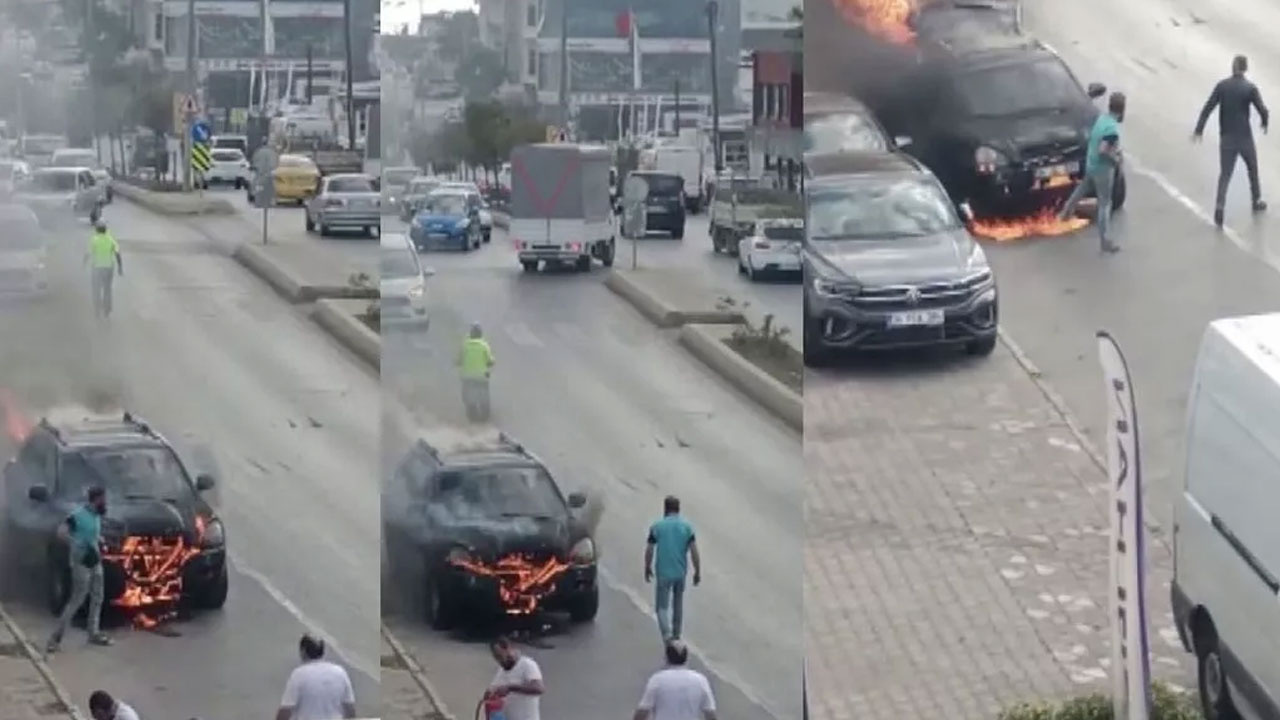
33 519
85 191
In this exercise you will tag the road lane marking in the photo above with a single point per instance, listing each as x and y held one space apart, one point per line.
370 669
520 334
571 333
724 674
1182 199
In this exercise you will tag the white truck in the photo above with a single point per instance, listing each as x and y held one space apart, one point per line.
560 209
688 163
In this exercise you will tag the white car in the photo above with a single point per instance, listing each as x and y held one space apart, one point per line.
23 254
56 194
403 283
771 248
12 174
486 216
87 158
228 166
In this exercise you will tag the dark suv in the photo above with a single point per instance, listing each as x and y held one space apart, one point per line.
665 205
486 528
888 261
1001 121
151 498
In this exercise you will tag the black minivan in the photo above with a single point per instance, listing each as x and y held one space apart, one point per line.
665 206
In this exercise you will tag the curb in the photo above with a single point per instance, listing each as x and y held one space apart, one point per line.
662 313
415 671
707 344
41 666
162 205
287 284
349 330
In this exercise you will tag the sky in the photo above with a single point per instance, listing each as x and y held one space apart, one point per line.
399 12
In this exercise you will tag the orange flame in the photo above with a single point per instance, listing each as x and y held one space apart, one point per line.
885 19
153 576
1041 223
522 581
16 424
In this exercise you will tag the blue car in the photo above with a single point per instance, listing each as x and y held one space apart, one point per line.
447 220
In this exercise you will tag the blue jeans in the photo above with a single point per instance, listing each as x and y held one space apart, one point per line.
669 605
1101 182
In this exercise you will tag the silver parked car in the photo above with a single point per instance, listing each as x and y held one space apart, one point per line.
348 201
85 157
415 195
395 181
403 283
61 193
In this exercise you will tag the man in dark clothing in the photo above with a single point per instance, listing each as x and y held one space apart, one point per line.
1233 97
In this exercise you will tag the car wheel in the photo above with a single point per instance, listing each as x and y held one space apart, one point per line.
752 274
981 348
610 250
324 229
815 354
678 233
529 265
239 183
440 609
585 607
214 596
1215 694
488 235
742 269
583 264
311 226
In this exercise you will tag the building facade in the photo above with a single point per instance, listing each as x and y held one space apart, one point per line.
776 137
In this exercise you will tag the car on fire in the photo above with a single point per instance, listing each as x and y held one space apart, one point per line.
889 262
1001 121
155 510
485 531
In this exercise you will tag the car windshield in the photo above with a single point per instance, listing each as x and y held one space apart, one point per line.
75 158
664 185
19 234
499 492
398 263
1017 89
398 177
423 187
54 182
232 143
129 473
842 132
885 209
227 156
295 162
351 185
446 205
783 232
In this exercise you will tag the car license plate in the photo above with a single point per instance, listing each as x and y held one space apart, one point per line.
437 235
916 318
656 208
1051 172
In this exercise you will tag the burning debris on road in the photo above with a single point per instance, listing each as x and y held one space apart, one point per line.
1043 223
522 581
152 569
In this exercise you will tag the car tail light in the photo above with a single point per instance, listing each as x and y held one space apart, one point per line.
574 247
333 203
520 244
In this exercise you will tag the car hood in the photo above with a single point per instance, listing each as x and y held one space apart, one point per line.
1013 134
493 538
427 220
21 260
398 286
940 257
152 517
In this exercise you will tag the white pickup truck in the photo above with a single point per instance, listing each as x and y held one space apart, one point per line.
560 207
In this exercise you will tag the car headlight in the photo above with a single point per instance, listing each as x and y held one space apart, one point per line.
583 552
458 556
213 535
988 158
987 296
415 291
825 287
462 224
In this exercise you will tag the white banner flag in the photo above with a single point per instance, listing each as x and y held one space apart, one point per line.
1130 655
636 78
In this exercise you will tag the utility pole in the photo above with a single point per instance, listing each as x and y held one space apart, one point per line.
351 105
564 63
713 13
310 76
91 43
188 177
677 128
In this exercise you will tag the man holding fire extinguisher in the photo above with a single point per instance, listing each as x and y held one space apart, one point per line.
517 686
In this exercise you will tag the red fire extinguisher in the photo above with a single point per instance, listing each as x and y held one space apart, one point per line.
490 707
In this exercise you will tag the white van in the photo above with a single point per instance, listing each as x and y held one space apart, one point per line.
1226 586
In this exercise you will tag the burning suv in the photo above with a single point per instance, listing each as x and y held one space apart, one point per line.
485 527
163 546
1000 119
888 262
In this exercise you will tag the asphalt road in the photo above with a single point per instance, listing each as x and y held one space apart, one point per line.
287 223
251 388
616 408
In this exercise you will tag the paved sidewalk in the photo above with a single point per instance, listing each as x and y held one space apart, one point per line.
25 694
956 559
403 697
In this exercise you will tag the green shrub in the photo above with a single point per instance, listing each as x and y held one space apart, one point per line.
1167 704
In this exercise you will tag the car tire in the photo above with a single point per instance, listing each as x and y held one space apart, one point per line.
1215 694
214 596
488 235
530 266
742 269
815 355
583 264
322 229
441 611
1119 192
585 607
678 233
982 347
752 274
311 226
610 251
239 183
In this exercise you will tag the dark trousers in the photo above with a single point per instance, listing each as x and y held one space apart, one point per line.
1228 150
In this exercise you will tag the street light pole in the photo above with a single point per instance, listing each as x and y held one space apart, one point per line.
564 63
188 177
713 13
91 40
351 116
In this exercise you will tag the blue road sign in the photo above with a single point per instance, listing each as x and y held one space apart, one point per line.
200 132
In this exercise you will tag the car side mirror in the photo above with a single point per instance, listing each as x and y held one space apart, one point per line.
428 272
205 483
902 141
39 493
1096 90
577 500
965 211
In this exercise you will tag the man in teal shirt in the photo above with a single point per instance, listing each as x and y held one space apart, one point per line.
82 533
1102 161
671 544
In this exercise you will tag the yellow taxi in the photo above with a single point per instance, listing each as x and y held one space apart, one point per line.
295 178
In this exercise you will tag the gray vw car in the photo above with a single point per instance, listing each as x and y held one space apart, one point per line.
345 202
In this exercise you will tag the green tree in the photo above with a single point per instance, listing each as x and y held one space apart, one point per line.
486 128
461 31
480 73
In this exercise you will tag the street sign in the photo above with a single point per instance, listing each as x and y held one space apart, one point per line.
189 105
635 190
265 160
200 132
201 159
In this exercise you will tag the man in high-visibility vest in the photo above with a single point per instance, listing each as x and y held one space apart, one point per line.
106 262
476 362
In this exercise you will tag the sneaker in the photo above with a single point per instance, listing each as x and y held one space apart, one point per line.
1259 205
100 640
1217 218
1111 248
52 647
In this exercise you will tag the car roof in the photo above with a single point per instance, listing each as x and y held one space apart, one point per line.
75 428
485 458
295 157
861 163
348 176
62 169
451 190
996 51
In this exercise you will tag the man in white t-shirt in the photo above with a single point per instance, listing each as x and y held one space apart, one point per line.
518 681
677 692
317 689
104 707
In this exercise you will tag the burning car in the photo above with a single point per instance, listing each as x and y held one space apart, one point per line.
163 545
484 526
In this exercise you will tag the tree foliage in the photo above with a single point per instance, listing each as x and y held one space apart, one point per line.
483 138
480 73
460 33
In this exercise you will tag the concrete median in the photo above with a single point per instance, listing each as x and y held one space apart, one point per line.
707 343
340 318
272 264
648 292
173 204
